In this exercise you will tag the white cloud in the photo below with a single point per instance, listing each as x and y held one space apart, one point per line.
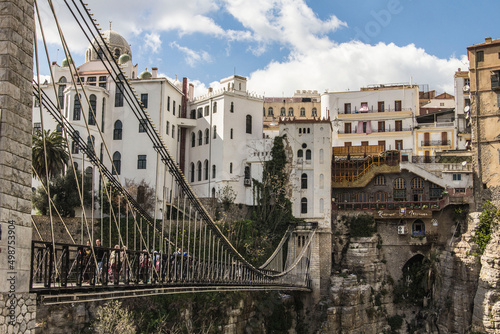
153 42
353 65
192 57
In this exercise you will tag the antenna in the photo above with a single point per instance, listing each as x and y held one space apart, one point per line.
110 25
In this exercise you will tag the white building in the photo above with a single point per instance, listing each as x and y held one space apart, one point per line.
378 115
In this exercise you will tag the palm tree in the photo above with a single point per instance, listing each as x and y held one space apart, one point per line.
57 154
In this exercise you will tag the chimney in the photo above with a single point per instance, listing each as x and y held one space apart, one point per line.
210 89
154 72
487 40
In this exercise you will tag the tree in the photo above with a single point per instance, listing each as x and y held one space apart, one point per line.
141 191
64 194
57 154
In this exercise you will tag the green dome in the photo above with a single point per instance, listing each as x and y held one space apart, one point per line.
123 58
66 62
145 75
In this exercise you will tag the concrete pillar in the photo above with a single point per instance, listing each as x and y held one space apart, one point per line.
16 70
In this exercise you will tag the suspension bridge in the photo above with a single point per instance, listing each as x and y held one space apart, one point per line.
184 251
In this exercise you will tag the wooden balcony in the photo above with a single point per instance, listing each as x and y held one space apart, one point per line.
358 150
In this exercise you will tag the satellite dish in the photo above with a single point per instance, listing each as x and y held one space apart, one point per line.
464 163
466 88
467 108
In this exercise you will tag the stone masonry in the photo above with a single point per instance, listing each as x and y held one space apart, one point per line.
18 307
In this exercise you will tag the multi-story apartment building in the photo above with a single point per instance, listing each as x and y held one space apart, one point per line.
462 109
484 60
381 115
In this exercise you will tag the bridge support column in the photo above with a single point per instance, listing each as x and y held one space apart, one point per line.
321 264
17 25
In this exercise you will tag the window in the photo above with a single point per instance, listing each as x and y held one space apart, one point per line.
459 190
117 53
321 181
302 112
467 82
141 162
141 192
168 103
193 113
60 91
117 157
444 138
198 170
398 125
417 183
362 197
214 170
347 108
380 180
231 134
321 205
457 177
167 128
92 109
308 155
232 107
381 106
397 105
205 170
247 172
495 79
102 113
290 111
142 125
117 131
321 156
381 126
119 93
314 112
480 56
230 168
303 205
215 132
200 112
191 172
347 128
249 124
200 138
144 100
300 154
214 108
283 112
91 142
270 111
37 127
398 145
173 107
102 81
303 181
74 144
77 107
193 139
364 143
88 175
498 101
207 111
418 227
382 143
399 191
380 196
173 131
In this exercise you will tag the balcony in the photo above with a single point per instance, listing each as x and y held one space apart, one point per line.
364 109
435 143
393 207
342 131
436 124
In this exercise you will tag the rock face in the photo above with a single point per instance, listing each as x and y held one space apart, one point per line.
486 316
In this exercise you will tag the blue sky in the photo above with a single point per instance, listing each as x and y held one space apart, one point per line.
285 45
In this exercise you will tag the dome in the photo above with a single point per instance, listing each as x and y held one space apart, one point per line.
116 43
145 75
66 62
123 59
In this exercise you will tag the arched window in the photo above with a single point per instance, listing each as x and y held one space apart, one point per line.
308 154
290 111
198 170
215 131
270 111
283 112
303 181
249 124
141 194
302 112
399 183
74 144
117 131
321 181
100 53
92 109
213 192
380 180
321 156
193 139
117 163
117 53
321 205
247 172
119 92
91 142
59 128
418 227
200 138
77 108
191 172
314 112
207 136
417 183
88 175
303 205
60 91
399 191
300 154
205 170
214 171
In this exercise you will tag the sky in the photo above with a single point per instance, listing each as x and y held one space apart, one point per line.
286 45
